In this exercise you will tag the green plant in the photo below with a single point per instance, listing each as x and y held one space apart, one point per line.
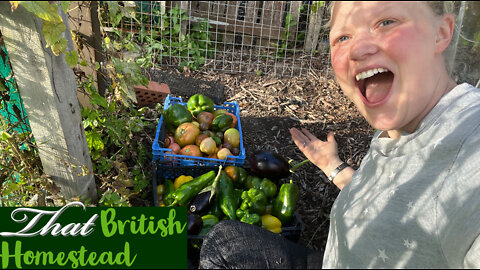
285 43
191 48
112 132
112 125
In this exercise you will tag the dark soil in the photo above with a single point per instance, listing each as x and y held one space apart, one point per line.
270 106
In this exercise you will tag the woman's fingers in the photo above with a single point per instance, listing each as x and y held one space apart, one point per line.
331 137
297 136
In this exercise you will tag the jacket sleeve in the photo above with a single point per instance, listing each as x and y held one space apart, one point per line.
458 208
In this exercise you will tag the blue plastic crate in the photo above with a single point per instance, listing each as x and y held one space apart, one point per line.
166 157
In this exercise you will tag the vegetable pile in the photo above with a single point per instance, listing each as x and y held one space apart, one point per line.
201 130
231 193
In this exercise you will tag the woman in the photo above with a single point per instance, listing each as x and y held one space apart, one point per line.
414 202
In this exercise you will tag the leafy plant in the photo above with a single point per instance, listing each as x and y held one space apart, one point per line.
191 48
53 25
284 43
112 126
112 132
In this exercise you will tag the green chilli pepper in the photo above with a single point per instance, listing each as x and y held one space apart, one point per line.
208 222
285 203
226 196
215 208
167 194
189 190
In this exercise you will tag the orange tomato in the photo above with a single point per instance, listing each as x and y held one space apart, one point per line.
186 134
191 150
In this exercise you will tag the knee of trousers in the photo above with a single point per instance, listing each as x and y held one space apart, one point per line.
223 232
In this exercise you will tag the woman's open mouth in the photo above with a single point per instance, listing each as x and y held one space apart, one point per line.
375 85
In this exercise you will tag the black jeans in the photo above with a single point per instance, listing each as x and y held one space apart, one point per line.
237 245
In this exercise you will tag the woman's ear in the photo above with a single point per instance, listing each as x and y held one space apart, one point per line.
444 33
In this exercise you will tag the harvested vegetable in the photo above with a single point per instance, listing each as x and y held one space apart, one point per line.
272 165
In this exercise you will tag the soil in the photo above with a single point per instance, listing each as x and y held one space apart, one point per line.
270 106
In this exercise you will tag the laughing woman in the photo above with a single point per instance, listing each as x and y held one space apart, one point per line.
414 202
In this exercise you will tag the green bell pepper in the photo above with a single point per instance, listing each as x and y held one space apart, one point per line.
254 200
226 196
285 203
222 122
251 218
268 187
240 213
199 103
176 115
182 195
252 182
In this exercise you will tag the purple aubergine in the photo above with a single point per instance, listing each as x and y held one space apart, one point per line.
194 223
269 165
201 203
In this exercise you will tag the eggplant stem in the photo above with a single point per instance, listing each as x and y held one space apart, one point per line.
215 183
298 165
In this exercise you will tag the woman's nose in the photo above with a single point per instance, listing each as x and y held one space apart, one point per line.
362 47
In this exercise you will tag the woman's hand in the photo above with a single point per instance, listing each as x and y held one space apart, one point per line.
324 154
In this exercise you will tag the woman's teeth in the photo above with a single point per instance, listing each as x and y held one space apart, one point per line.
370 73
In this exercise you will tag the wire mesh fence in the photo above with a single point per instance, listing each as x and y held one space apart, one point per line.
263 37
280 38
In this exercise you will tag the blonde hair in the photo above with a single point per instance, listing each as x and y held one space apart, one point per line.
439 8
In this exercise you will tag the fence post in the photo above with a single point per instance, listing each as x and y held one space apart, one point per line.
48 88
184 5
458 26
314 27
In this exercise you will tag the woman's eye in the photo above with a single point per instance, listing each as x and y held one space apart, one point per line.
386 22
342 38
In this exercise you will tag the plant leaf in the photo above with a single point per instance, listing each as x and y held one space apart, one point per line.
71 58
65 5
43 9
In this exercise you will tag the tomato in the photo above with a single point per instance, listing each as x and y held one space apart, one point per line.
205 120
191 150
214 155
208 146
200 138
168 140
175 148
232 136
186 134
223 153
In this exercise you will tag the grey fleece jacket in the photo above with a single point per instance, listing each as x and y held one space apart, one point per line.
415 201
